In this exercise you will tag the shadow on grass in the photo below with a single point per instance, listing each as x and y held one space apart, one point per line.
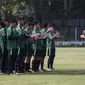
58 72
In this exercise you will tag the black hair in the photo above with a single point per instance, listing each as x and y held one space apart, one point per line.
35 23
52 25
45 24
6 20
2 24
20 19
13 21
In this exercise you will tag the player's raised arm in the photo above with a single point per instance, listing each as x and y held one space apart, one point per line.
56 36
49 30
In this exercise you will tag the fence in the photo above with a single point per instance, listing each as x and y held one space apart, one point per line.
70 29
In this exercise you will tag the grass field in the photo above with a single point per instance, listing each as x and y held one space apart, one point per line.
70 70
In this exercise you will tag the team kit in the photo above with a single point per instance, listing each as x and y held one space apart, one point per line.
23 46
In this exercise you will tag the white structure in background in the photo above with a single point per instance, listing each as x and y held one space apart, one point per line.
69 43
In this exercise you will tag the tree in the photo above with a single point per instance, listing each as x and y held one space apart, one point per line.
10 7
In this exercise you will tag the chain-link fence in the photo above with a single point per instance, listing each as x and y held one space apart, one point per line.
70 29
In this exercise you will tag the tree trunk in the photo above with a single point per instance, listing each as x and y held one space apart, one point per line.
37 10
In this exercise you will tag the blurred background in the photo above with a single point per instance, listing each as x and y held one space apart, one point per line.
68 15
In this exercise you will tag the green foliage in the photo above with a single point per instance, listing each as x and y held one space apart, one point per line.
43 9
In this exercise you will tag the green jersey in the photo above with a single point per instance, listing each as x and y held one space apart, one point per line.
29 32
0 38
29 43
38 44
51 43
22 36
44 40
12 38
3 38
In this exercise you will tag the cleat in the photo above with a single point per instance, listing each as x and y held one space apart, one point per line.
49 69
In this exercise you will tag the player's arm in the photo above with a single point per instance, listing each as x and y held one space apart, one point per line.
82 36
46 33
56 36
34 36
45 36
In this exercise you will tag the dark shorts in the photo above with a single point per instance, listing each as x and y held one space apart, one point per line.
25 50
21 52
29 50
13 52
51 51
0 52
38 52
44 52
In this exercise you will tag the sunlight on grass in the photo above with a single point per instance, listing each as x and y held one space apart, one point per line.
70 70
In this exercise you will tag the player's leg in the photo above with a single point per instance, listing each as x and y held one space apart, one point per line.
28 58
52 56
51 52
19 60
0 56
42 59
3 60
25 61
35 61
12 60
22 54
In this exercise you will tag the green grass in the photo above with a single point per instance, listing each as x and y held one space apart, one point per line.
70 70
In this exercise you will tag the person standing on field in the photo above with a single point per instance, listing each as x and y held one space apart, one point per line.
29 50
3 33
21 46
37 46
13 37
52 35
44 40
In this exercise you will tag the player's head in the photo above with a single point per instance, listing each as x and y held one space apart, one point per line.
14 23
52 26
37 25
2 24
7 23
30 25
21 22
46 25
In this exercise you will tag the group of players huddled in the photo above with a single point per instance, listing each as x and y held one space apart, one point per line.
19 41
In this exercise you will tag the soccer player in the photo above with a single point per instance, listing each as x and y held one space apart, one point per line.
37 46
29 48
13 37
53 34
21 46
44 40
3 33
